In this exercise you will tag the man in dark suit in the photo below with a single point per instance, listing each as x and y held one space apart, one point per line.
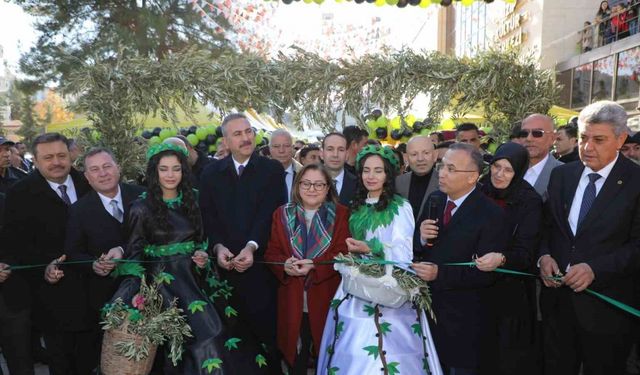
35 220
281 149
422 180
469 224
566 143
238 197
334 156
593 239
95 227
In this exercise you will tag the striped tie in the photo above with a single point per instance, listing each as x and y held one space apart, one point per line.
588 197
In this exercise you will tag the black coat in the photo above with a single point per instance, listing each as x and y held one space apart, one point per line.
608 240
348 191
236 210
35 223
460 294
93 231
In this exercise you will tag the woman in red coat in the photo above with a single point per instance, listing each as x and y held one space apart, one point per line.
304 233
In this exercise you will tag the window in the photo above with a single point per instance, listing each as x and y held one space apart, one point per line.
627 86
564 78
602 79
581 86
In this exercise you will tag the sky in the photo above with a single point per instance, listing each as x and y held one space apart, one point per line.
299 22
16 33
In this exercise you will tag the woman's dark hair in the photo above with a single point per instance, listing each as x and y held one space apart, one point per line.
307 149
388 188
154 193
332 194
600 11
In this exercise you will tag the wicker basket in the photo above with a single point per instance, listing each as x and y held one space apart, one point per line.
112 363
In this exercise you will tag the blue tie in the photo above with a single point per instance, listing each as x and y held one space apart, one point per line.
588 197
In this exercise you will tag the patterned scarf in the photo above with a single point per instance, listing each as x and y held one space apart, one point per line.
309 243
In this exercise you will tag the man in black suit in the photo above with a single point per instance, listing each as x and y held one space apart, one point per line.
418 184
238 197
334 156
593 239
468 224
95 227
35 220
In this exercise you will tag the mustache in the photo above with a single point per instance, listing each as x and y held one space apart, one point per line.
246 143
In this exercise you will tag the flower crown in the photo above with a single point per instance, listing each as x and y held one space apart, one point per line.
156 149
384 152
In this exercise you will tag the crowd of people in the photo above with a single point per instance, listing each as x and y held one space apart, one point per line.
560 204
611 23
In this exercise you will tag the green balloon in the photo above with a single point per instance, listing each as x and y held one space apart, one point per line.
193 139
259 138
154 140
164 134
174 132
211 129
201 133
213 148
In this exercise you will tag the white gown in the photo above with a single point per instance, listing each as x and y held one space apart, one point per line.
406 339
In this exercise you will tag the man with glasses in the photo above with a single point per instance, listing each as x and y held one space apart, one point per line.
537 133
468 225
281 149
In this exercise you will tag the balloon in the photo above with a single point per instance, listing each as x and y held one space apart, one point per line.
402 3
259 138
425 3
395 123
417 126
146 134
447 124
213 149
407 133
371 124
184 131
193 139
376 113
202 147
318 1
392 2
381 133
308 1
154 140
210 140
380 3
467 2
382 122
156 131
424 131
192 129
492 148
410 119
396 134
414 2
164 134
201 133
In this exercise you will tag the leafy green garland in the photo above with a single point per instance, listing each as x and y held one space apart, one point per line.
367 218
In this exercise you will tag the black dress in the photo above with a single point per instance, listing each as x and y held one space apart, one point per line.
213 325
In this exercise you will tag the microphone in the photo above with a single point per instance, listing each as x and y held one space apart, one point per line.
432 214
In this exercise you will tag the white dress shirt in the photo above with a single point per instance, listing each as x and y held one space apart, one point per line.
458 202
106 202
532 174
339 179
237 165
71 189
582 185
288 178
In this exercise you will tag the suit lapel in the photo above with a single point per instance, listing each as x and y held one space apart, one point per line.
566 199
43 186
615 181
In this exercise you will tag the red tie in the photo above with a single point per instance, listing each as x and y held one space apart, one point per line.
447 212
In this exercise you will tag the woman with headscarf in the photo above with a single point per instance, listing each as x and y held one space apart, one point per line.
514 296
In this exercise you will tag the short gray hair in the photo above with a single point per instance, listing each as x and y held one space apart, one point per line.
604 112
473 152
279 132
230 117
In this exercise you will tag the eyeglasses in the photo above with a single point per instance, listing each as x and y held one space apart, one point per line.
318 186
536 133
450 168
504 170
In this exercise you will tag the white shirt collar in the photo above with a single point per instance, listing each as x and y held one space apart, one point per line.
54 185
106 201
339 177
537 169
458 202
289 170
604 172
237 164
